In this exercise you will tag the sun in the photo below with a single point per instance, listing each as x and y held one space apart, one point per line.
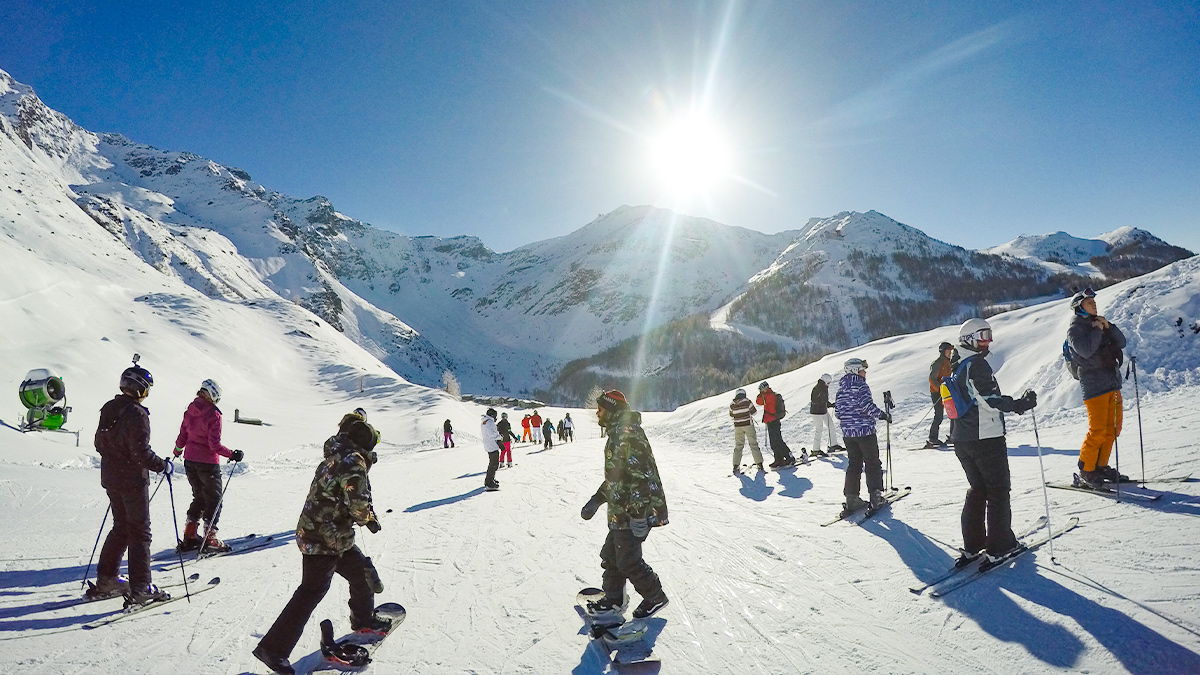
689 157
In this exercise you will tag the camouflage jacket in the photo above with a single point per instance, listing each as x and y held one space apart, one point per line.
339 498
631 486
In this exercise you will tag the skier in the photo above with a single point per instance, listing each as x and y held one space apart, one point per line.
506 438
338 499
982 450
818 407
856 412
770 403
123 441
569 428
447 435
941 368
636 503
492 446
558 429
535 426
199 442
526 434
742 411
548 434
1096 345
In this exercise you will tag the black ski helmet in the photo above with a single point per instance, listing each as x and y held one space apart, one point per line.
491 412
136 380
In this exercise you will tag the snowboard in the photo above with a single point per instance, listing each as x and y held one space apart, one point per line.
614 633
356 649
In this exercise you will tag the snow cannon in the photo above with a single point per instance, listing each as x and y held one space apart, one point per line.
44 395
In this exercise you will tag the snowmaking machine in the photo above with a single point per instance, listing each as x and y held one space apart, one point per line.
44 396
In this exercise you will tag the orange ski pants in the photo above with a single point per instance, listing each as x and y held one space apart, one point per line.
1105 416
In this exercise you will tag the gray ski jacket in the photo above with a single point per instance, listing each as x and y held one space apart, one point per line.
1098 353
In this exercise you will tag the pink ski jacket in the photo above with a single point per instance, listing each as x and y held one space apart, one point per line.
200 433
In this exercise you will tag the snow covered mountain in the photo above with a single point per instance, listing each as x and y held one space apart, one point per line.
1125 252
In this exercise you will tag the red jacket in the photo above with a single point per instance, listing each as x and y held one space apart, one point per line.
200 433
525 422
535 421
766 398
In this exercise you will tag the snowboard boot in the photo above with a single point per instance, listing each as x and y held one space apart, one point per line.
853 503
145 595
650 606
1111 475
191 538
277 664
376 625
107 587
605 608
214 545
877 499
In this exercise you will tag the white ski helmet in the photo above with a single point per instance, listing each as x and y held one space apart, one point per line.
855 365
213 390
740 393
826 378
975 334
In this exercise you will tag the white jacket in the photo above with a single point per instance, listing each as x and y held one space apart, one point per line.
490 434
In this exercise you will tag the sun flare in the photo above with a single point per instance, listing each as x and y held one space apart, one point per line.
690 157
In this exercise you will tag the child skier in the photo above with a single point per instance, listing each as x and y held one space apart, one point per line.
506 438
857 413
199 442
548 434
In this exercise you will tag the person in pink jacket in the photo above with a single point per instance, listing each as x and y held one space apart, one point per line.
200 444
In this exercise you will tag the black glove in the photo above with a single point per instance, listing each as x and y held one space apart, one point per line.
1030 397
589 509
639 527
374 526
237 455
885 417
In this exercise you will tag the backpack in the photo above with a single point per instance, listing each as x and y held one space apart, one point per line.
1069 358
955 399
780 408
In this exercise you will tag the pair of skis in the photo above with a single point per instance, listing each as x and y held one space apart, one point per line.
961 575
134 610
236 546
889 497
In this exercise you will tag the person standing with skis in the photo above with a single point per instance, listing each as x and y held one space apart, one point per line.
504 428
569 428
742 411
772 417
941 368
982 449
447 434
199 442
857 413
490 436
338 499
548 434
526 433
123 441
535 426
819 407
1096 345
636 504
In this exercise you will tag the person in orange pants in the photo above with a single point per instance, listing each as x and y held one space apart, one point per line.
1095 346
525 433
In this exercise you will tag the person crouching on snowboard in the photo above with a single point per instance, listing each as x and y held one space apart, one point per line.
199 442
338 499
982 450
636 503
856 413
123 441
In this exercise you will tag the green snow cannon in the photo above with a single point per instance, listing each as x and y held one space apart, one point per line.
42 393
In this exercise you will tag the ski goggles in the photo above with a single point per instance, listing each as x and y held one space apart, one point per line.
983 335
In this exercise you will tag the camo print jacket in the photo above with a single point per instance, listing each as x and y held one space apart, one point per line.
631 486
340 497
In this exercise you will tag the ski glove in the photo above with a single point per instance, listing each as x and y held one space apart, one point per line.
886 417
589 509
374 526
639 527
178 451
168 466
237 455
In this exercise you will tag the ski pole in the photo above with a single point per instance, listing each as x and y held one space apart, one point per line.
86 572
887 406
1118 405
217 513
175 521
914 427
1045 492
1138 398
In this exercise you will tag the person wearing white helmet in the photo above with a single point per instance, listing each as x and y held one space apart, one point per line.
199 442
818 407
857 412
1096 345
982 449
742 411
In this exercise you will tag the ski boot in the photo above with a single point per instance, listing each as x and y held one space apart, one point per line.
932 445
191 538
1111 475
853 503
107 587
760 468
990 560
966 558
145 595
1091 480
214 545
737 470
877 500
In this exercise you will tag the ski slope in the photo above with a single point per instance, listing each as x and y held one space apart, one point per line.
489 579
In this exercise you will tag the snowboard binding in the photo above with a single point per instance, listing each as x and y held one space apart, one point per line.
345 653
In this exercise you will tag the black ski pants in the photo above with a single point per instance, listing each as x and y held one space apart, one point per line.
493 464
775 438
862 452
205 480
938 410
317 573
986 514
130 531
621 559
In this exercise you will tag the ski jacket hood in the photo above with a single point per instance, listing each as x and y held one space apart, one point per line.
855 409
200 433
1098 354
338 499
631 488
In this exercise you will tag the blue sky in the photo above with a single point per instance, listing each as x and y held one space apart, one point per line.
515 122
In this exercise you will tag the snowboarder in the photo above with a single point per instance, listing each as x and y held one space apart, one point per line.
548 434
982 450
941 368
199 442
506 438
447 434
772 416
526 433
492 446
1096 346
818 407
535 426
856 413
742 411
123 441
338 499
636 503
569 428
